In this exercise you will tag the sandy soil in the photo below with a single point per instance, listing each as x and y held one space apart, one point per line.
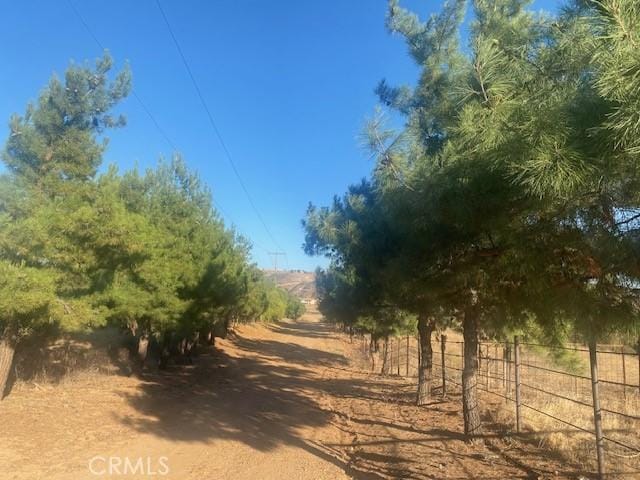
285 401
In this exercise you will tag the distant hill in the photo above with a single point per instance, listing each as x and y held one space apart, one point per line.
300 283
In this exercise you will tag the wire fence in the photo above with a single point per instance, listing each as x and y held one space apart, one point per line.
581 400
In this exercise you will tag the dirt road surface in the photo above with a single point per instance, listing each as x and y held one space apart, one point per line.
285 401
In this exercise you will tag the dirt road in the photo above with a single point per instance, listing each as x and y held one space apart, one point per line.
285 401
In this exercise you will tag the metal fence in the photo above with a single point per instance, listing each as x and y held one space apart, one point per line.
579 399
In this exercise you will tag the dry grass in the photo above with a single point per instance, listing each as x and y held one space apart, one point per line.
70 358
572 444
542 390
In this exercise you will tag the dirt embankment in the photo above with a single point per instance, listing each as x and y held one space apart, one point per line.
273 402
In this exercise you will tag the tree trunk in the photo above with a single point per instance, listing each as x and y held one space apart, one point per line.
226 328
470 409
193 348
143 348
166 350
426 326
372 354
211 336
7 349
133 328
165 356
386 364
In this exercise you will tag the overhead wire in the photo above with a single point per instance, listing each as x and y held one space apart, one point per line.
148 112
133 92
214 126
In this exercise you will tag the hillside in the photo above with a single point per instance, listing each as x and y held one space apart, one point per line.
300 283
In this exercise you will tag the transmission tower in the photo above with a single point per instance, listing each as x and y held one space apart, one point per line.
275 256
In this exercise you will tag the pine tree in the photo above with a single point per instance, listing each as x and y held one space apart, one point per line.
52 155
524 197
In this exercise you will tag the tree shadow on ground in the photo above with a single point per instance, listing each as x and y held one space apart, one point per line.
308 330
266 397
434 432
290 352
244 399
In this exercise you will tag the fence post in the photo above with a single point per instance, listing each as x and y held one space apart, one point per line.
508 350
516 348
597 413
504 369
624 371
479 363
488 366
398 353
407 358
443 346
497 367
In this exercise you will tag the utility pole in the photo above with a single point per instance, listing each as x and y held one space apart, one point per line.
275 256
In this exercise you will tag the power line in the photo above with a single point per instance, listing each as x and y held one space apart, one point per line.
135 95
214 125
148 112
275 256
155 122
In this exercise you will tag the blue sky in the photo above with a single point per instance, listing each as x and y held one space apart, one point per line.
288 82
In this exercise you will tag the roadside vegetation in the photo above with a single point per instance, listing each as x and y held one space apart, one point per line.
83 248
508 203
